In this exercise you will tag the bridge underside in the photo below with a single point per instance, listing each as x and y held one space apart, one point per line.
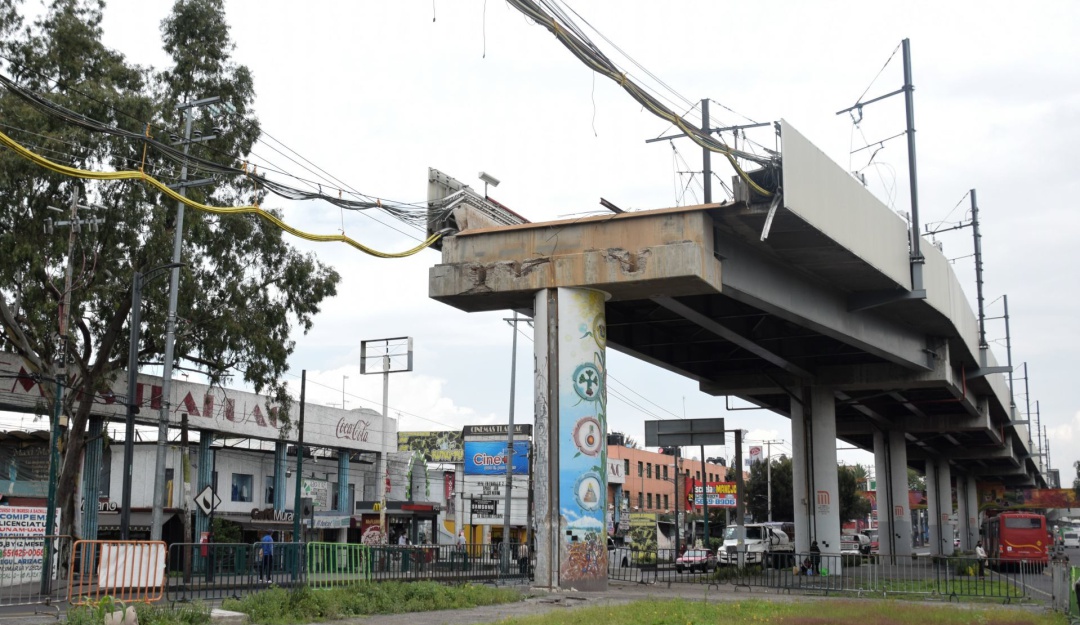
696 291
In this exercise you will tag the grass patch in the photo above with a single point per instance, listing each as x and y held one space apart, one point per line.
755 612
277 606
191 614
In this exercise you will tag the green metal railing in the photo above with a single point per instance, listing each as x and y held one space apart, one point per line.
337 564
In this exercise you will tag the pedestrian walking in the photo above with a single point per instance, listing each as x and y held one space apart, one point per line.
267 546
980 554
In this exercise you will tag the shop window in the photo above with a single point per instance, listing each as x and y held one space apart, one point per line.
242 484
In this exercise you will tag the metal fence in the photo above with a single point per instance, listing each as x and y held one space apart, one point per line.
21 582
493 563
931 576
209 571
337 564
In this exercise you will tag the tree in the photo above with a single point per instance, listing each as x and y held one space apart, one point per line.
757 491
852 504
915 481
245 287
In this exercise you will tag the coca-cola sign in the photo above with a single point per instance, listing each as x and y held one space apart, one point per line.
353 430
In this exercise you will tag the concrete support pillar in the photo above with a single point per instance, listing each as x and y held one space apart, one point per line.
894 518
933 509
204 478
971 495
800 474
91 480
344 504
571 435
883 475
901 512
939 506
945 509
280 471
961 513
826 500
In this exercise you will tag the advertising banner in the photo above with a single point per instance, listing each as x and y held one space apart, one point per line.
22 544
755 454
481 488
643 531
436 446
448 492
489 458
720 494
993 496
319 493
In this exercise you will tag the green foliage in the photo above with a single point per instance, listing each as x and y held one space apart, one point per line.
245 286
915 481
754 611
148 614
226 531
277 606
757 489
852 504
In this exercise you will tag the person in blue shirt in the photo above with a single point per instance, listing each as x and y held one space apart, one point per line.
267 567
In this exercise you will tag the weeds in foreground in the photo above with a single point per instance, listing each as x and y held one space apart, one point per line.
94 613
278 606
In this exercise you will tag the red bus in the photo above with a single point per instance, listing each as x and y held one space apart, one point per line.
1016 537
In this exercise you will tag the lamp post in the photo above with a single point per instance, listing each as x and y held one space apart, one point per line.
343 378
137 282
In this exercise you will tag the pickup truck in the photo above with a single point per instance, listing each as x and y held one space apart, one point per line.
763 545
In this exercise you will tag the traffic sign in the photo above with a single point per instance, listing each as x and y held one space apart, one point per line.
207 500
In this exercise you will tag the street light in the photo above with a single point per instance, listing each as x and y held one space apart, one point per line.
137 282
343 378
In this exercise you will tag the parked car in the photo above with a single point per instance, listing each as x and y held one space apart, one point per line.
696 560
873 536
862 539
849 545
619 556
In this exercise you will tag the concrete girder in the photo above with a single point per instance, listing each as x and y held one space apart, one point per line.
730 335
767 284
971 453
630 256
926 424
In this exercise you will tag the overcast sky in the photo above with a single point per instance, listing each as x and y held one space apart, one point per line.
375 92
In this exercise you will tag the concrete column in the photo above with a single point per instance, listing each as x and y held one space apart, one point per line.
826 500
883 473
901 512
204 478
281 468
800 474
91 480
571 436
933 508
962 513
344 505
971 495
945 507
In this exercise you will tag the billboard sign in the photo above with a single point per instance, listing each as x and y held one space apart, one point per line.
435 446
489 458
720 494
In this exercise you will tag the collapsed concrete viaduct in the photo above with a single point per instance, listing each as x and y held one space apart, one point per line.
804 307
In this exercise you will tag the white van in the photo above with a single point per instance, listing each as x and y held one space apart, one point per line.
1071 539
761 539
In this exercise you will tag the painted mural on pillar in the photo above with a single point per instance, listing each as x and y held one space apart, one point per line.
583 438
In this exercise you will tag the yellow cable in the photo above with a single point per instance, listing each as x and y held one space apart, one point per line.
232 210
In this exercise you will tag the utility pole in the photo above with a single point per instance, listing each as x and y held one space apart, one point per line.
740 494
170 332
510 450
768 475
58 423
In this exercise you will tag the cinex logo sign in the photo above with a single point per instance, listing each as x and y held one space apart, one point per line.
489 458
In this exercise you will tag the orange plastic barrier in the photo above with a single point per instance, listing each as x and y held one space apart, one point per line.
125 570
